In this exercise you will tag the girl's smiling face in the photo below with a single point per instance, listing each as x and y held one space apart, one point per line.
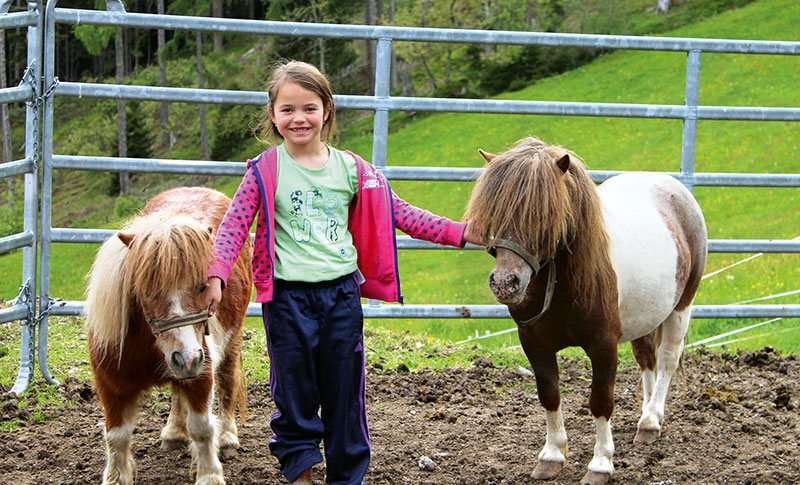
299 116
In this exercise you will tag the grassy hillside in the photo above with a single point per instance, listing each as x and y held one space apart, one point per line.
622 144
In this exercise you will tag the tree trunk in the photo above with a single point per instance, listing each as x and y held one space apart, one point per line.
216 11
162 67
406 79
201 83
5 123
662 6
122 134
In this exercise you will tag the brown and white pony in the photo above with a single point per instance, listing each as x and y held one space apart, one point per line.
579 265
148 326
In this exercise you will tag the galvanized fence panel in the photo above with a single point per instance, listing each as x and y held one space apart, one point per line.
381 102
24 308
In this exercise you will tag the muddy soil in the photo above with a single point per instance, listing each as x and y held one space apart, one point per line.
731 418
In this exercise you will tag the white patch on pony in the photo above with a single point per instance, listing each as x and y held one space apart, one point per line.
204 445
216 342
648 384
187 336
669 354
643 252
555 447
602 461
120 467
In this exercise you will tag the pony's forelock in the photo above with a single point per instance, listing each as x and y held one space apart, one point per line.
176 250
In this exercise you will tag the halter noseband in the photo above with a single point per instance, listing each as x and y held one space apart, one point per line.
160 326
534 264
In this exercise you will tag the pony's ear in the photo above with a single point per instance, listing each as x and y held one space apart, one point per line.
563 163
126 238
486 155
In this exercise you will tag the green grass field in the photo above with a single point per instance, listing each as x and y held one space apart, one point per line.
604 143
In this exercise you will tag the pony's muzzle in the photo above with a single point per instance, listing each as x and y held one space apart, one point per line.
505 286
190 367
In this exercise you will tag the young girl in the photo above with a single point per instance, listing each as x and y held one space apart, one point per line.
325 237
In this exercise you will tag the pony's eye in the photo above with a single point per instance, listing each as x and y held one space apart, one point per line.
203 288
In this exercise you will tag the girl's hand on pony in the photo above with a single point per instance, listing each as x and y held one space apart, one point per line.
213 294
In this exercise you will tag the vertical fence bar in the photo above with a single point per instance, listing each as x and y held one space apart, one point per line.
31 207
383 76
690 121
42 326
47 184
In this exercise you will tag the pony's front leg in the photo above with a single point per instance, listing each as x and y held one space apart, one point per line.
120 418
670 349
601 404
201 425
174 435
231 394
553 455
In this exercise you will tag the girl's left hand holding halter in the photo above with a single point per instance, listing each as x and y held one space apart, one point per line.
213 294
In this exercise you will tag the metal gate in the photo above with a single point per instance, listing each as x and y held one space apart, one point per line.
381 102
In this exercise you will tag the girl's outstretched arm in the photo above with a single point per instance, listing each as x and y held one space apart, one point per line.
421 224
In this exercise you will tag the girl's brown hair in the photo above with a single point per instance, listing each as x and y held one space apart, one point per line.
307 76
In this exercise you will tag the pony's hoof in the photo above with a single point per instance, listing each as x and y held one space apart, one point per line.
228 440
171 444
595 478
646 436
228 453
210 480
545 470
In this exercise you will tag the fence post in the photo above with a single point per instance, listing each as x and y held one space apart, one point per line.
383 76
50 82
690 121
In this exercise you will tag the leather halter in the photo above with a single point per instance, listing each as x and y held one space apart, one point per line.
160 326
536 267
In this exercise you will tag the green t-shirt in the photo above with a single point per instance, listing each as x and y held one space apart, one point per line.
312 242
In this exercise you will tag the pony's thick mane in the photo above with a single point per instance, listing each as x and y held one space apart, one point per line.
523 196
168 252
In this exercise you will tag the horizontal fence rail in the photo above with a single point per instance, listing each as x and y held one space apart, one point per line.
440 174
16 241
397 103
16 94
393 311
419 34
17 167
96 236
18 19
16 312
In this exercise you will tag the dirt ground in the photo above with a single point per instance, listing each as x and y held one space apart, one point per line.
731 418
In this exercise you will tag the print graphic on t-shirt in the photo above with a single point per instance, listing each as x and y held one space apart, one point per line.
297 203
301 234
333 235
319 223
312 194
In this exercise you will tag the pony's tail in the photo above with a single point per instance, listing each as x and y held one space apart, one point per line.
107 298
